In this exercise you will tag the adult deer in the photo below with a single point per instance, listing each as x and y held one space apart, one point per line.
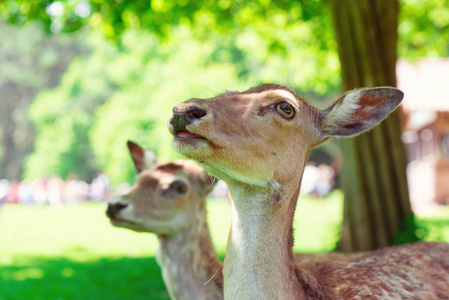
170 201
258 142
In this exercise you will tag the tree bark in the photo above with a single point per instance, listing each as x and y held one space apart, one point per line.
377 205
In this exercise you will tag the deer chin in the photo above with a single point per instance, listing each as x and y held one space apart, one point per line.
157 227
125 224
192 145
169 226
227 175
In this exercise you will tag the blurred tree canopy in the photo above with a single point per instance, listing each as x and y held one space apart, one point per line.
30 61
423 29
145 56
158 16
63 116
420 21
120 93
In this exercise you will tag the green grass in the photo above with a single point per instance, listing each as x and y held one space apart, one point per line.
74 253
434 227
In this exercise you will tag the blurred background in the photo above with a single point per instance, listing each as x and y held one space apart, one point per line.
79 78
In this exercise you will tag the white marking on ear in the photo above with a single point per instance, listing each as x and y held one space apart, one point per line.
150 159
358 111
342 111
142 158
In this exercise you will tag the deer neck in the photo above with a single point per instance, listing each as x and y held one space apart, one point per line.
259 261
189 264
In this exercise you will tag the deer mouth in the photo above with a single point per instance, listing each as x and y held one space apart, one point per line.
187 135
121 222
115 220
192 145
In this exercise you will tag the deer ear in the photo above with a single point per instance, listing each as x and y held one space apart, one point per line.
142 158
358 111
208 182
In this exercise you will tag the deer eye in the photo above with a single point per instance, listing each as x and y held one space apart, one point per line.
179 187
286 110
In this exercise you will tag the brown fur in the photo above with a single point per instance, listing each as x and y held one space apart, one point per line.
401 272
268 87
238 144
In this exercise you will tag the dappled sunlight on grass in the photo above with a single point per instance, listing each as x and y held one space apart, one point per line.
81 232
74 253
22 274
62 278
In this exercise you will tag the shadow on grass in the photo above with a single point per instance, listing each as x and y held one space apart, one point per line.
38 278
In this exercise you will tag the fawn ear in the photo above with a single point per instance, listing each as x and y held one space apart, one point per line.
358 111
207 182
142 158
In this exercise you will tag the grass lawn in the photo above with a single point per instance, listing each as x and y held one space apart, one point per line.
74 253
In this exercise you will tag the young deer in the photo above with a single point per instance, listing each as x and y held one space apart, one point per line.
258 142
170 201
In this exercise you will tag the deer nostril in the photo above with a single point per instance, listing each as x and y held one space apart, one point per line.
194 113
115 208
119 206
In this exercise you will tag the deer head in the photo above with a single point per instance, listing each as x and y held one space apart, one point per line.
163 200
260 136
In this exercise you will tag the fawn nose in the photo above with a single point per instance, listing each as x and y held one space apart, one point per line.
115 208
183 117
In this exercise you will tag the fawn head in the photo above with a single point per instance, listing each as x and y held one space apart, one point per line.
263 136
165 197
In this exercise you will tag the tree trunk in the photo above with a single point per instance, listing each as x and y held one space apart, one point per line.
377 207
16 132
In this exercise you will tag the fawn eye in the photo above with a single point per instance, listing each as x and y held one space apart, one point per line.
179 187
286 110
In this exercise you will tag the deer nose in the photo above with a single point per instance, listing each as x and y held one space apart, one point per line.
183 117
115 208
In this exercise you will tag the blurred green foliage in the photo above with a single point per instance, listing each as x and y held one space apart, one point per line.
420 21
146 56
30 62
126 92
423 29
63 117
159 16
